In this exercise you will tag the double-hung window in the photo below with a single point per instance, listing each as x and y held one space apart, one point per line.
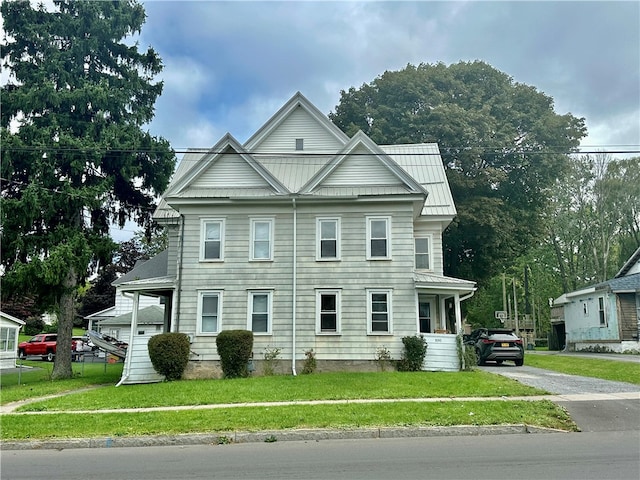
422 253
209 312
259 312
261 239
328 239
379 312
212 243
602 314
328 311
378 238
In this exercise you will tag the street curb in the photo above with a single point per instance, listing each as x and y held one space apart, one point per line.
271 436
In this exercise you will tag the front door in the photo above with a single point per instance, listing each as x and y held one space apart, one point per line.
424 314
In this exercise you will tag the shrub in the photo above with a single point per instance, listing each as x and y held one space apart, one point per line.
271 360
415 349
169 353
310 363
383 357
234 348
33 326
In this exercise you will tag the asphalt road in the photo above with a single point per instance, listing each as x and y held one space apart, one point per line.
583 456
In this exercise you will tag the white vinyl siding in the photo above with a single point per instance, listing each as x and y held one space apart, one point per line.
212 244
261 239
379 312
378 238
422 248
328 239
209 312
259 312
328 312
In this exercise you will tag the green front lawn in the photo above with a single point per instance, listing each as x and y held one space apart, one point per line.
587 367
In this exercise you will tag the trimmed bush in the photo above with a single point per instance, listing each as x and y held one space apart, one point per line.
169 353
234 348
415 349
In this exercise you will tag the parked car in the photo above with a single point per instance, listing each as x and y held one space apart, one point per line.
496 344
43 344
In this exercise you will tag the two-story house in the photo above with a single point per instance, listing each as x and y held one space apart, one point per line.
311 240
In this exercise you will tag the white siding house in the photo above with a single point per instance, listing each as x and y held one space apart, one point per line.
9 328
312 240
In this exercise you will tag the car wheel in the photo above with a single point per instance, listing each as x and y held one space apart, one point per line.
480 359
519 363
50 356
499 362
22 355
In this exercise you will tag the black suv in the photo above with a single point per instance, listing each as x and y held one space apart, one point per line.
496 344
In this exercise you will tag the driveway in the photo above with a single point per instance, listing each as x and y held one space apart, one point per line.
590 412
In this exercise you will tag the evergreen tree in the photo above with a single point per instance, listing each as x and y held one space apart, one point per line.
76 156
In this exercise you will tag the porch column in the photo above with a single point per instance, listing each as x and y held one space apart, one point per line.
442 319
456 302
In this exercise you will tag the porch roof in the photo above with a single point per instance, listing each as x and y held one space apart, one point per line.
441 282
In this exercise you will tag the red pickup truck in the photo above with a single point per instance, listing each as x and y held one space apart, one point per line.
43 344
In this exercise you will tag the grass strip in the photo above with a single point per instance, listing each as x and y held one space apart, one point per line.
615 370
324 386
411 414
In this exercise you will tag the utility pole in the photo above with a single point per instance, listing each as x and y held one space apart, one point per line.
504 293
515 307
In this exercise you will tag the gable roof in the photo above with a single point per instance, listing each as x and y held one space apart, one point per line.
378 165
152 268
297 101
633 263
11 318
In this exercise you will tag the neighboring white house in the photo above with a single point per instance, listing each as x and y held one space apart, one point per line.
9 328
150 321
606 316
310 239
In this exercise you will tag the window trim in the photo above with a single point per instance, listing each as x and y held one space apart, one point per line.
602 312
203 232
250 295
319 221
201 295
324 291
371 219
389 293
252 240
429 239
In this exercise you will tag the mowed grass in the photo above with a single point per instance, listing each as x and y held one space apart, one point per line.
340 416
615 370
286 388
35 380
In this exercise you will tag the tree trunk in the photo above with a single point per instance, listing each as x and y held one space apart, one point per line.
62 366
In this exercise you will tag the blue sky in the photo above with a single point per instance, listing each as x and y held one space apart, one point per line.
230 65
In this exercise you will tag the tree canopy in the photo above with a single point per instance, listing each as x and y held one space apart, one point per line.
502 144
76 156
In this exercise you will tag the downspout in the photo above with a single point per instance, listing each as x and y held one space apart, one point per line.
294 288
175 326
134 325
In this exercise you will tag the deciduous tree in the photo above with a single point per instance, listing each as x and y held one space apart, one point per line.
76 156
502 143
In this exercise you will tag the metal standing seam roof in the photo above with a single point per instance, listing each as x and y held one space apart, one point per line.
423 162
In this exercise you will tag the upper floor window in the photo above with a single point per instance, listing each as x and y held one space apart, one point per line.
378 238
261 239
212 244
259 312
209 312
422 247
328 239
328 311
379 312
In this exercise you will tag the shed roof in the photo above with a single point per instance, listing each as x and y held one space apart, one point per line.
151 315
